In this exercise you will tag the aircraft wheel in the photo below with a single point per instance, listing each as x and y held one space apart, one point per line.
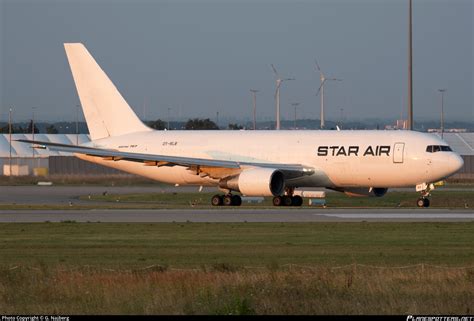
287 201
277 201
216 200
227 200
236 200
421 202
297 200
426 202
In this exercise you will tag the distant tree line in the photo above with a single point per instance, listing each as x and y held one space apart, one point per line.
70 127
196 123
207 124
19 129
191 124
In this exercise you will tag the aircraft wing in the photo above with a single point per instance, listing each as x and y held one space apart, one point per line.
291 170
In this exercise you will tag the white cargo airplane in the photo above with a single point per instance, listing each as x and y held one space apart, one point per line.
254 163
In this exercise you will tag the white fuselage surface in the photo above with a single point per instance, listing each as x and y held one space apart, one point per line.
349 158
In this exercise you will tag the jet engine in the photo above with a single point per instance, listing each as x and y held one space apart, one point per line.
364 191
256 182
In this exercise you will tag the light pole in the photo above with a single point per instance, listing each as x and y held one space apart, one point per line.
10 137
77 125
442 111
254 94
33 130
169 109
410 68
294 106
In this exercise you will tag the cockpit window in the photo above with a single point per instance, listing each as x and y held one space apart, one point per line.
438 148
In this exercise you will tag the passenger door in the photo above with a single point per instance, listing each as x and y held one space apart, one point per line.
398 149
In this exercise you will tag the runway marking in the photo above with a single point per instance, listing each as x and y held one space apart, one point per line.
402 215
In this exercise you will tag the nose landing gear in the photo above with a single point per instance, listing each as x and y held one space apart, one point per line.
423 202
425 189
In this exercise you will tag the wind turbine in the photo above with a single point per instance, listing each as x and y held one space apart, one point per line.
277 95
323 79
442 91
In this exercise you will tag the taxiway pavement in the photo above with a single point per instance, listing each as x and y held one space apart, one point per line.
239 215
61 195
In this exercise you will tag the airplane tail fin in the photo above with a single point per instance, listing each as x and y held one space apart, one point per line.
106 111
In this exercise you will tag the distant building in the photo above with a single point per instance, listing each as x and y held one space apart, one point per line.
447 130
44 161
399 124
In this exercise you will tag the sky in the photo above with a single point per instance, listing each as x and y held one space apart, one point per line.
183 59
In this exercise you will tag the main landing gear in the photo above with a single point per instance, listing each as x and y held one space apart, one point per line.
226 200
288 199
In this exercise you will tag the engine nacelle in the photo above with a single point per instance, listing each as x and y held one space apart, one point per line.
365 191
256 182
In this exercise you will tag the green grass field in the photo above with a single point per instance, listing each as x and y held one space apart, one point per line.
440 199
240 244
238 268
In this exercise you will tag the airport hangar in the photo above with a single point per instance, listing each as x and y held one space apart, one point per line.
42 162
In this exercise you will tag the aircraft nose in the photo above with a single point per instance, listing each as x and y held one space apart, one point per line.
456 162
